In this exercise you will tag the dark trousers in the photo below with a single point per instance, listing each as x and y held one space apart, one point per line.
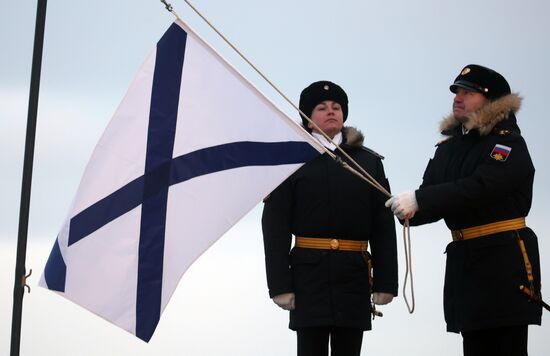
508 341
343 341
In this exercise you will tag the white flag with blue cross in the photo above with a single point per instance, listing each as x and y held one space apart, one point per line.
192 148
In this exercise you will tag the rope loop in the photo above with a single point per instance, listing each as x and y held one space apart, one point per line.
408 266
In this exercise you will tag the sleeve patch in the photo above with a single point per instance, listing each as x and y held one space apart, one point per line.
500 152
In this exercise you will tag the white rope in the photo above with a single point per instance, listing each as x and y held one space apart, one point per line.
362 173
408 266
369 178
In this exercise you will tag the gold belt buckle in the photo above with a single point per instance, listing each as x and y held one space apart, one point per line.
457 235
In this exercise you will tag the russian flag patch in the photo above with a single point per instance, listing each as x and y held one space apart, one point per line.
500 152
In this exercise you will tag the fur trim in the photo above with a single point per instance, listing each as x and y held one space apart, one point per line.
354 137
486 118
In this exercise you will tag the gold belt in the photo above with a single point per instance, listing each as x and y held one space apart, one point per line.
488 229
331 244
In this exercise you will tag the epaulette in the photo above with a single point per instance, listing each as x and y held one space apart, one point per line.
372 152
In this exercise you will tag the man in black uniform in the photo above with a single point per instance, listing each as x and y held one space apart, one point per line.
324 280
480 182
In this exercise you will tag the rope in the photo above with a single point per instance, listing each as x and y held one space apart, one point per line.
408 265
360 171
368 179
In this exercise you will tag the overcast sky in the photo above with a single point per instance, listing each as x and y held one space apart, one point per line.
395 59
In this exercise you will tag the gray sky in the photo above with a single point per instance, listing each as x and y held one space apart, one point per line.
395 59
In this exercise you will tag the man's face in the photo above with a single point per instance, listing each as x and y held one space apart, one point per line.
466 102
328 115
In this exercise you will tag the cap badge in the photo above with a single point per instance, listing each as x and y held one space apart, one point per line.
500 152
326 87
465 71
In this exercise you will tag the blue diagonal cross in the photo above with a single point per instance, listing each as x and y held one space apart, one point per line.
161 171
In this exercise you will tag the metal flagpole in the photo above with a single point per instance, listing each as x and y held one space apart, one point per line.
20 271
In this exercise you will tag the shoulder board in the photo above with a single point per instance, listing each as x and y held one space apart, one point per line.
372 152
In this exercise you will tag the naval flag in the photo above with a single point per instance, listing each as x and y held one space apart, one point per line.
192 147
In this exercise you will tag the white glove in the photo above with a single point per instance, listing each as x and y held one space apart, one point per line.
285 301
403 205
381 298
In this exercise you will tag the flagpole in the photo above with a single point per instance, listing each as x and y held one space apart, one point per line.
20 270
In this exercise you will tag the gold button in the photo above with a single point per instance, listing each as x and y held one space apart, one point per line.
334 244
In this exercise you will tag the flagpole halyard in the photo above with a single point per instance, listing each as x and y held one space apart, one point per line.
359 172
365 175
362 173
408 266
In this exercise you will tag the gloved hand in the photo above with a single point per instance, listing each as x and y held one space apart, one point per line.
403 205
379 298
285 301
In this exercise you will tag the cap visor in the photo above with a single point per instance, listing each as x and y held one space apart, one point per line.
465 85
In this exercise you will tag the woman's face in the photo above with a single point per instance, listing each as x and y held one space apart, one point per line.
328 116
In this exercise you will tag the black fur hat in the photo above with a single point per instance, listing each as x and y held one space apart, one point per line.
318 92
482 80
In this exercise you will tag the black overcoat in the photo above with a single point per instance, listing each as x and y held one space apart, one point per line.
321 199
473 180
